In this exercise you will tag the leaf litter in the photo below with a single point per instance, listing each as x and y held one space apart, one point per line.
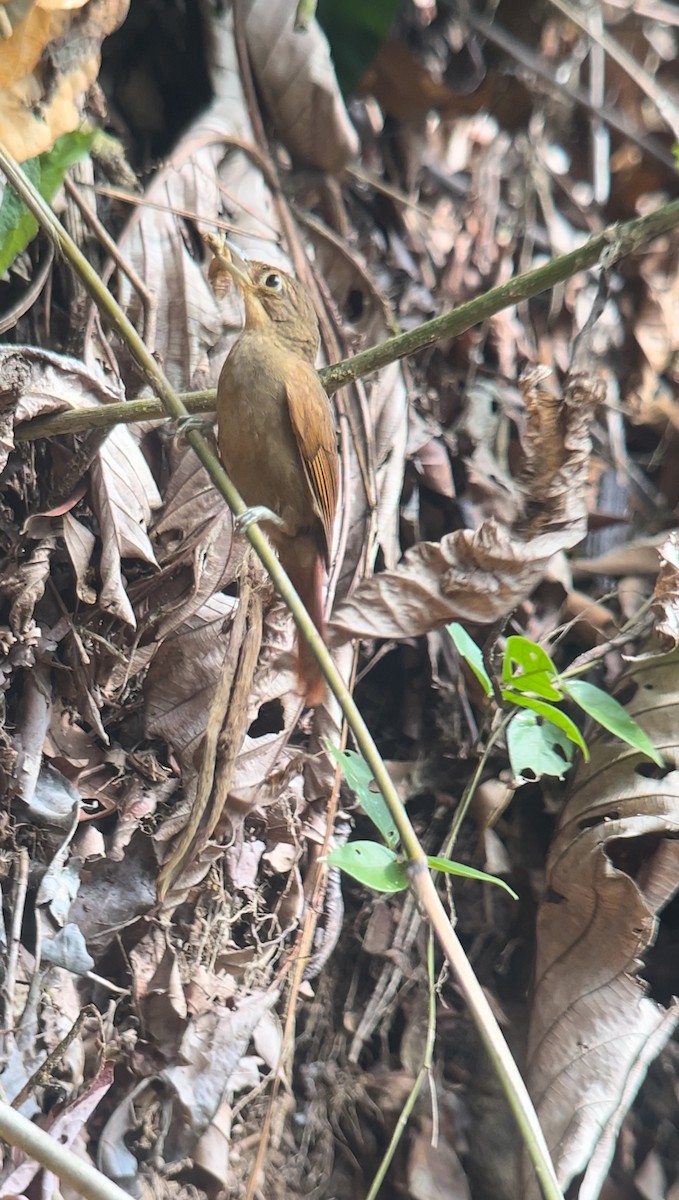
478 480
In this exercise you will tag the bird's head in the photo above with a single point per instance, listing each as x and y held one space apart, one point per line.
275 301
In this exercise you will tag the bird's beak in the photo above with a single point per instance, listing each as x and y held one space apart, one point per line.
236 265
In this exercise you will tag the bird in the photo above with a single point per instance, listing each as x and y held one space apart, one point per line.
276 436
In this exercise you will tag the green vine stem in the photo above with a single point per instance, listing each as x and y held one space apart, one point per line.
603 250
420 877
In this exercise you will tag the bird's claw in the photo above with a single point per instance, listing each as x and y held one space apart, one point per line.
251 516
197 421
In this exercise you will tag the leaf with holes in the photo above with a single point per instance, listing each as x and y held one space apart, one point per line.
538 746
549 712
359 777
536 672
371 864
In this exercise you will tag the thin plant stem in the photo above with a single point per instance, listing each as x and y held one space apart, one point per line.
424 1072
605 249
38 1145
472 784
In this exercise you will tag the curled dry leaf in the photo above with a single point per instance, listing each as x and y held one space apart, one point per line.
612 867
480 576
25 586
298 83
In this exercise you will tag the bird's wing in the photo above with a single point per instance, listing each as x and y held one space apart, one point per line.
314 429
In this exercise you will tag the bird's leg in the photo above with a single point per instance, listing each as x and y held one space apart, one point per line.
251 516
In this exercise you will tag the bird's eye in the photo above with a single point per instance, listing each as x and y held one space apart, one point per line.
273 282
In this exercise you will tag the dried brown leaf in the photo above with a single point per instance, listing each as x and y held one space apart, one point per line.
25 586
80 543
298 83
34 382
480 576
183 675
476 577
196 549
210 1051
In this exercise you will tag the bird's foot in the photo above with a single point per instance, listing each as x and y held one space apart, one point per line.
201 422
252 516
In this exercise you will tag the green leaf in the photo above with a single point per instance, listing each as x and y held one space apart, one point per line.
455 868
359 777
536 745
536 672
609 713
471 653
550 713
371 864
18 226
355 30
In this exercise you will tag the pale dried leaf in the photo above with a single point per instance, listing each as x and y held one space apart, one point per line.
124 494
80 543
666 595
210 1052
297 80
433 467
638 557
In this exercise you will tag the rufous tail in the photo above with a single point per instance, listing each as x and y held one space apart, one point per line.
306 574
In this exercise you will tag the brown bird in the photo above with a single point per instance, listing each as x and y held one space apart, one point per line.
277 435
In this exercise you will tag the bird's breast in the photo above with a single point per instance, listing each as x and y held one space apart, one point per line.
256 439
